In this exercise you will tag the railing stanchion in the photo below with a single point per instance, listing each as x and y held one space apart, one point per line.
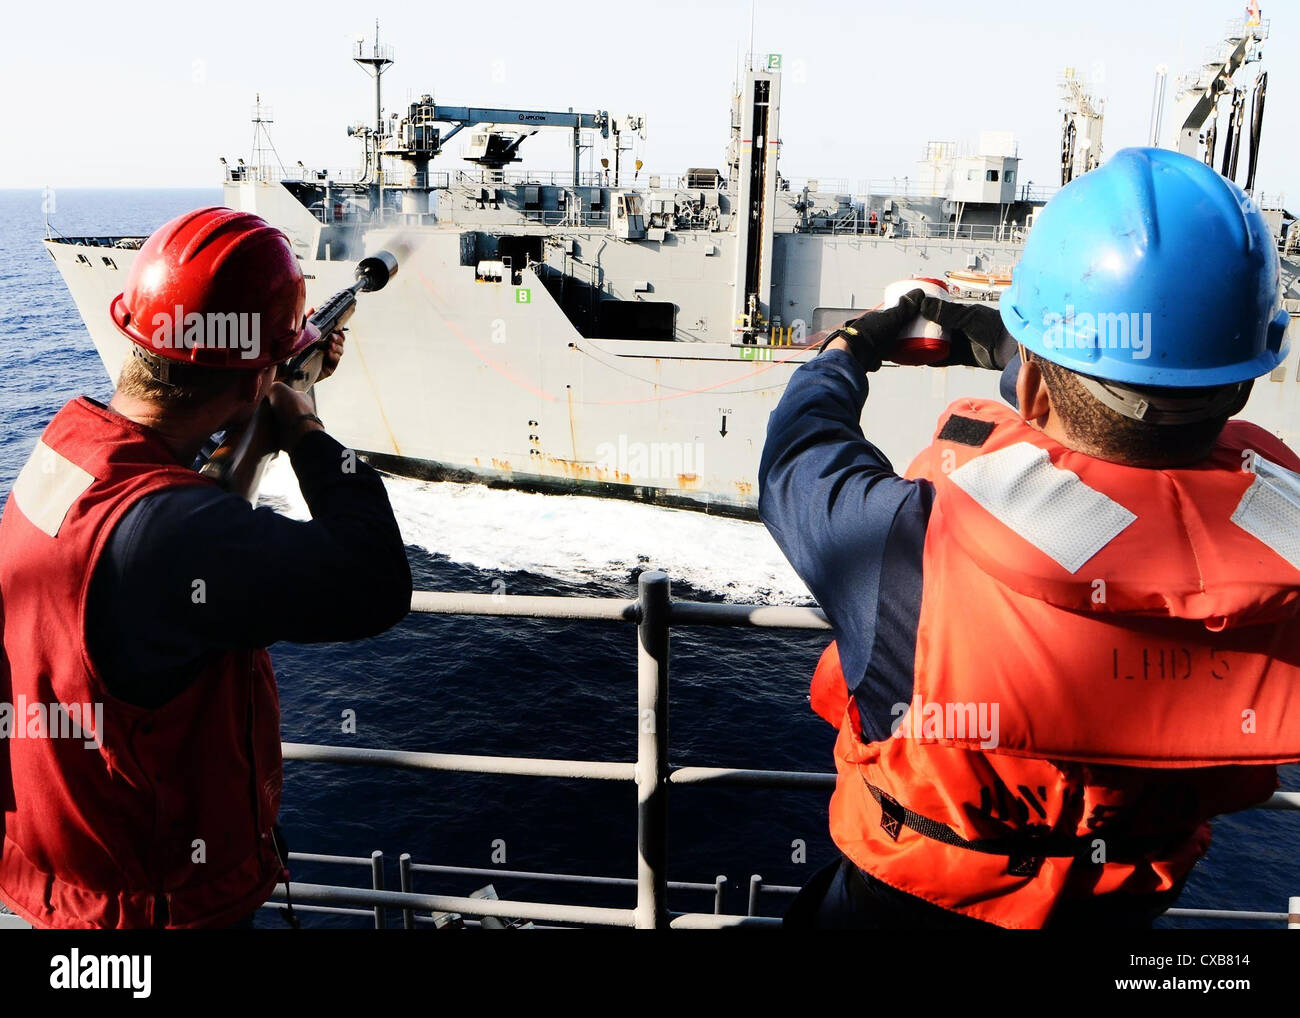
404 874
652 751
720 885
1293 918
755 889
377 882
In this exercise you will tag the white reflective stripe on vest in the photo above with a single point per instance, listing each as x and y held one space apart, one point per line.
1049 507
1269 511
48 486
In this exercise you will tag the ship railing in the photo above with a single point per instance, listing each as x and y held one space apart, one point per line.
119 243
654 613
876 188
671 182
1010 232
1240 28
629 180
563 217
822 185
434 180
277 174
375 866
545 178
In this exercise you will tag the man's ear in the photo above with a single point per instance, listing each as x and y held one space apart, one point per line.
1031 390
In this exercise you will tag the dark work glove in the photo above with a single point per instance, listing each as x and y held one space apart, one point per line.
976 332
875 335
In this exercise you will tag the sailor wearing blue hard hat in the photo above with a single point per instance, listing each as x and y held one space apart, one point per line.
1104 581
1157 273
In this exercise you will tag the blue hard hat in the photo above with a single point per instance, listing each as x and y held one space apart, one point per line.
1152 270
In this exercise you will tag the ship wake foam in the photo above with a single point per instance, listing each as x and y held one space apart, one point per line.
575 539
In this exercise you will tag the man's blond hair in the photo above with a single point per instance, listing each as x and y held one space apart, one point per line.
188 385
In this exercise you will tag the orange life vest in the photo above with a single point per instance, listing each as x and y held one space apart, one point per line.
121 816
1106 658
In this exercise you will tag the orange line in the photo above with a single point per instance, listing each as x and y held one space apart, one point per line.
473 348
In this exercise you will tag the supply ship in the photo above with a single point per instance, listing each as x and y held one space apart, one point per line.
625 334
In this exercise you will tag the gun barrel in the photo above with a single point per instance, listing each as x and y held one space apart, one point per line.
376 270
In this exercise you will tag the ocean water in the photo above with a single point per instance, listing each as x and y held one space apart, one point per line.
530 687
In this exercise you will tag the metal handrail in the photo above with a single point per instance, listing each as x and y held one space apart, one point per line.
913 230
407 868
597 770
654 613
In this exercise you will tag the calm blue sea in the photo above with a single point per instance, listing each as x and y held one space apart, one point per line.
527 688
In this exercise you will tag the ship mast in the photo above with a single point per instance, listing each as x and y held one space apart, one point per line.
262 143
375 61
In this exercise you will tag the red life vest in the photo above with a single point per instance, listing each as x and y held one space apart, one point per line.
1106 658
125 817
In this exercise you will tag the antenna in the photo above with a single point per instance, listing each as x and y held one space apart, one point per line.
753 8
262 143
375 61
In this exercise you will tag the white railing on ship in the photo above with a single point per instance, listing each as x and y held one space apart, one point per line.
912 229
542 178
902 187
654 613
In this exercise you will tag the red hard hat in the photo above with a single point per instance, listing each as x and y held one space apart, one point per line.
216 288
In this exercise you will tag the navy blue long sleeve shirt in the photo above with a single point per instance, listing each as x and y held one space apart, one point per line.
852 528
192 571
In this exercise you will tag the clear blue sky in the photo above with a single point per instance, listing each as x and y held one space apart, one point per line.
150 94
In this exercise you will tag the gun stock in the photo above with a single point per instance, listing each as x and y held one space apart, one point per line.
239 462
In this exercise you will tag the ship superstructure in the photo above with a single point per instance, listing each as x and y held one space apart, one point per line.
626 334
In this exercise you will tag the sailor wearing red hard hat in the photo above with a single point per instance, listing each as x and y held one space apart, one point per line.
136 586
1066 639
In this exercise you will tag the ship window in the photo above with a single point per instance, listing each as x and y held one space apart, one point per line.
1010 177
620 207
991 176
109 262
